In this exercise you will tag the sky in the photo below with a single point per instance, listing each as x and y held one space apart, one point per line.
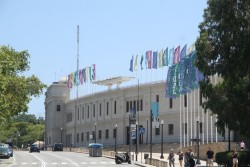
110 33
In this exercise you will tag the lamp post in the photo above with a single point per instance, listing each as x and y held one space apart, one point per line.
136 148
197 141
115 136
95 132
162 122
61 134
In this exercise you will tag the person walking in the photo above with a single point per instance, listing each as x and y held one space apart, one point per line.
242 145
171 158
235 158
181 155
210 157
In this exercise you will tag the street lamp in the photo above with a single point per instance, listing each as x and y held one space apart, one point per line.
61 134
115 136
136 148
197 140
162 122
95 132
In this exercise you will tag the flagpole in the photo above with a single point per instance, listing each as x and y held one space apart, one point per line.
180 125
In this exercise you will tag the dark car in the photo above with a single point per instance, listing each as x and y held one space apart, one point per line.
57 147
4 152
34 148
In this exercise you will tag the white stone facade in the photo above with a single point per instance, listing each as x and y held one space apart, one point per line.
75 122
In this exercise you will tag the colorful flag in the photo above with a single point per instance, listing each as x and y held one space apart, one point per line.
183 52
171 57
177 55
84 75
191 49
90 74
87 73
93 72
81 77
149 58
146 61
165 57
131 64
141 62
173 84
135 66
154 65
160 55
69 83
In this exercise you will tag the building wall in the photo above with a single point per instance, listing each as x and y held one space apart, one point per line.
97 112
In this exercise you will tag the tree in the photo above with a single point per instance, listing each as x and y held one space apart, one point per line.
16 90
223 49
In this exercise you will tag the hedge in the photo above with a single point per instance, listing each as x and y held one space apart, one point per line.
225 158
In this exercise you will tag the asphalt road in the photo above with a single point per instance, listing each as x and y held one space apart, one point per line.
57 159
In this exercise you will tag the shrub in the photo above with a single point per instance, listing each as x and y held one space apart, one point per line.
226 158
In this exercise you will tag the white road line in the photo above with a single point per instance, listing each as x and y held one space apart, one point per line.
41 160
72 162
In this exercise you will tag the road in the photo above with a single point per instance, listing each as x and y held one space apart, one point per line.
57 159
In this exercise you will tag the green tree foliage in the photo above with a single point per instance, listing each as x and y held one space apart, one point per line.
16 90
22 130
223 49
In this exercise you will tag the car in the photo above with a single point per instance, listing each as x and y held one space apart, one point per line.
34 148
4 152
10 150
57 147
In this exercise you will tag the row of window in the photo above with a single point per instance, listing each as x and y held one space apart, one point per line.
92 135
135 104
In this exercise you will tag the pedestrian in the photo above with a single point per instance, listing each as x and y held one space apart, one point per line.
242 145
181 155
191 160
171 158
235 158
210 157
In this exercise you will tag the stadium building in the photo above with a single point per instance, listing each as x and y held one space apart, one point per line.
101 117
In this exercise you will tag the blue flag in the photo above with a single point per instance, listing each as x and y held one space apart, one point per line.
155 55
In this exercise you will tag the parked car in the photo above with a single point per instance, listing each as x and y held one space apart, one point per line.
57 147
10 150
34 148
4 152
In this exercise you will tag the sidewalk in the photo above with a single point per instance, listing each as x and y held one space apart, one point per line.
141 161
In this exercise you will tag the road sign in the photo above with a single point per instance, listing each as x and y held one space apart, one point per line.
141 130
133 135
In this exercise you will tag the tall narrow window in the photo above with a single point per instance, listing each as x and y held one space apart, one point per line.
58 107
93 110
107 108
157 98
107 133
141 105
82 112
82 135
100 109
88 111
77 137
100 134
127 106
157 131
185 100
170 103
114 133
87 136
134 104
78 114
200 127
137 105
170 129
115 107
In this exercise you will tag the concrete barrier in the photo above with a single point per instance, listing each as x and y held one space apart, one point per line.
156 162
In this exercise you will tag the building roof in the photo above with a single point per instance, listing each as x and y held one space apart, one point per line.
112 81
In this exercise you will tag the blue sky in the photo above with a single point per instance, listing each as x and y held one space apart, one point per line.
111 31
